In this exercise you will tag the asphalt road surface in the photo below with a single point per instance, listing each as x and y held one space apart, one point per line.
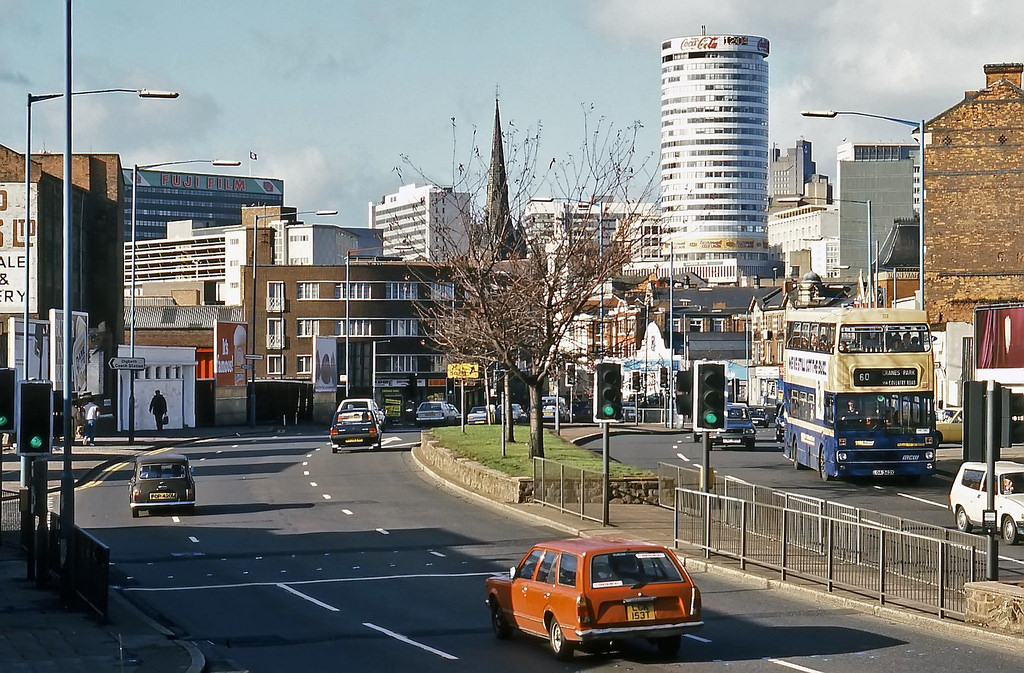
300 559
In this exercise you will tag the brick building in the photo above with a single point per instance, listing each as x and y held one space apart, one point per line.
974 206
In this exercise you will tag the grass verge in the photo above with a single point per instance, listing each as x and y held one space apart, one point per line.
482 443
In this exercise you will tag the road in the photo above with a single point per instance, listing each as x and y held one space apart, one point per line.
926 501
297 558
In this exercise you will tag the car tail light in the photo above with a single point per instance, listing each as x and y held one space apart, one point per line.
696 604
135 494
334 431
373 432
583 612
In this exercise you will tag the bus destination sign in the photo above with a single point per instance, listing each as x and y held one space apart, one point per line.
885 376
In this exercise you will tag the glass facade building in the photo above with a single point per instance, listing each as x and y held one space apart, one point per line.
215 200
714 155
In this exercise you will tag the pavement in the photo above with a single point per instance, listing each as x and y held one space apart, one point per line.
39 634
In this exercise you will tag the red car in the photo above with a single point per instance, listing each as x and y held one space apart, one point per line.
589 592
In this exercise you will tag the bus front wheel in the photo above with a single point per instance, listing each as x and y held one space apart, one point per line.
793 455
822 471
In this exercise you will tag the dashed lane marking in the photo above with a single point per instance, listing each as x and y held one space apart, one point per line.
307 597
941 505
410 641
789 664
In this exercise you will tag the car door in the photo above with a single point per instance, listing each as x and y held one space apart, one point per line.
973 495
524 589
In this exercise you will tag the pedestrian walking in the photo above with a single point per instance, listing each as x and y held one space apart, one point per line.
158 407
92 414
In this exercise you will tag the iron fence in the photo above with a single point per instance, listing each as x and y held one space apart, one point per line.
924 572
568 489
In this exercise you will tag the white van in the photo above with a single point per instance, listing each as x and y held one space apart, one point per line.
548 405
967 498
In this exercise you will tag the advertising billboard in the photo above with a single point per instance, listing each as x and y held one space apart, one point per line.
999 343
79 350
229 347
12 249
38 348
325 360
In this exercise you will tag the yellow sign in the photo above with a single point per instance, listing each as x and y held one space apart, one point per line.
464 370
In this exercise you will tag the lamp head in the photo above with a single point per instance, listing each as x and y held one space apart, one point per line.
151 93
226 162
829 114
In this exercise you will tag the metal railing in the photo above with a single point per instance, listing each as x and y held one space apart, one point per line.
568 489
925 572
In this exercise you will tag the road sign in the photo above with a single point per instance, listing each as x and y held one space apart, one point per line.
464 370
253 357
131 364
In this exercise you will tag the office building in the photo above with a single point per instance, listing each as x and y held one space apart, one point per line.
421 221
790 172
215 200
714 154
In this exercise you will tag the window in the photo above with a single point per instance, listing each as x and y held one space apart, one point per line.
529 564
401 290
360 327
275 364
544 573
339 290
398 363
401 327
304 364
567 570
307 290
442 291
305 327
359 290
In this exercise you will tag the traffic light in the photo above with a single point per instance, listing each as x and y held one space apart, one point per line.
7 400
684 391
663 377
570 375
710 397
607 392
635 387
35 417
450 387
1015 418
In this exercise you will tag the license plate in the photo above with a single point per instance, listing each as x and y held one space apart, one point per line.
354 441
731 441
883 473
639 612
163 496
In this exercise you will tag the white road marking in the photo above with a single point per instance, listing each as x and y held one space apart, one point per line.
383 532
313 484
175 519
927 502
305 473
410 641
308 598
795 667
193 539
877 487
390 440
347 512
682 458
326 496
305 462
697 638
437 553
1011 560
245 585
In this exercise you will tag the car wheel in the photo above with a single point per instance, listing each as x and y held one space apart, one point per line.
334 449
793 456
498 622
749 446
822 471
559 645
135 512
190 509
668 646
1009 530
963 524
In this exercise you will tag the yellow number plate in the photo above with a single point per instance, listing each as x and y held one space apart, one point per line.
354 441
163 496
639 612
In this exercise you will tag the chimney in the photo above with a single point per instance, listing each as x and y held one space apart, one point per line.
1011 72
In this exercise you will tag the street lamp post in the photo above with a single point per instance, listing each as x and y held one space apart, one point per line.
919 125
251 361
131 299
373 366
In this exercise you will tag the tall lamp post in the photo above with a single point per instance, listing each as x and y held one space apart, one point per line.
919 125
131 313
252 316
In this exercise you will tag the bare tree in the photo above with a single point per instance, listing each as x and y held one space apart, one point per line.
521 281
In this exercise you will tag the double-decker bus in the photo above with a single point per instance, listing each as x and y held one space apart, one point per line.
858 392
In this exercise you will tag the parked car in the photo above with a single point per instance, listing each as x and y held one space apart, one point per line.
582 411
585 592
629 413
760 417
353 428
968 497
350 403
780 425
738 428
477 416
161 481
437 413
951 429
548 405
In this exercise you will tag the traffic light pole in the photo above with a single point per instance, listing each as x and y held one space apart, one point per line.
605 479
992 401
705 478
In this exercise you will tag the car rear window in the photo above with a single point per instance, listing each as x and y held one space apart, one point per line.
162 471
353 417
647 566
430 406
737 413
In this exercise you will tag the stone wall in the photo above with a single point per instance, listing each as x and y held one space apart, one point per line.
998 606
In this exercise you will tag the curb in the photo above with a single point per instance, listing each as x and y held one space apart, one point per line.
197 660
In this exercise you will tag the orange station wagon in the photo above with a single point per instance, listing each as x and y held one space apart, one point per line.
590 592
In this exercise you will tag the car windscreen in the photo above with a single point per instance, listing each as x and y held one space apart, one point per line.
736 413
162 471
353 417
647 566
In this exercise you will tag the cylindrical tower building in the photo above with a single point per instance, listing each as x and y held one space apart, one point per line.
714 155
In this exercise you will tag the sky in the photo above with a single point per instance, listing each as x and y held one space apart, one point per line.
346 100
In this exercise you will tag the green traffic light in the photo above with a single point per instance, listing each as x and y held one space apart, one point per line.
35 442
608 410
711 418
4 421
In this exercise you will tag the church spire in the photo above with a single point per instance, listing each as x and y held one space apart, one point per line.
499 220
